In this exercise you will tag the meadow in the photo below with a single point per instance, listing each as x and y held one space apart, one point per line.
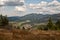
17 34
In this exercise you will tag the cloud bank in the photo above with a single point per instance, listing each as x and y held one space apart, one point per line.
20 7
11 2
46 7
12 7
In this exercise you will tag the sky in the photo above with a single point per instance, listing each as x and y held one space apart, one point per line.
24 7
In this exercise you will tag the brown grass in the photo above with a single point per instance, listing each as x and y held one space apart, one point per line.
29 35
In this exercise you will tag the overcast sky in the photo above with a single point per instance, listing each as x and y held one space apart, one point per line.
24 7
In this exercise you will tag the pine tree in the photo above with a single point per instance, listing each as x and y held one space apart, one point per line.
3 20
6 20
58 24
50 24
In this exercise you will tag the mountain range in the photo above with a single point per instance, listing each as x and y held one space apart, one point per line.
35 18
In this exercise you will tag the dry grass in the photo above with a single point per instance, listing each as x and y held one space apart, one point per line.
29 35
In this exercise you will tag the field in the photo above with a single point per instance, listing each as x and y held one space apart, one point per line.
28 35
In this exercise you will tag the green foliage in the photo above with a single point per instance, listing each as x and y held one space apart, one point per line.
45 28
18 27
41 27
50 24
58 24
3 20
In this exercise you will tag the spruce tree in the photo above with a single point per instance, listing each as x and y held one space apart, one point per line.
6 20
58 24
50 24
3 20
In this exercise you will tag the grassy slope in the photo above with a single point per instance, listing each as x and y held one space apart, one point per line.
29 35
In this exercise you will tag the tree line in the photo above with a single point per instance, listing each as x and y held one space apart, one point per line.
4 20
50 25
53 26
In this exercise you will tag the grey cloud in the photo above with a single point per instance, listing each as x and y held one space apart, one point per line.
1 5
12 3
